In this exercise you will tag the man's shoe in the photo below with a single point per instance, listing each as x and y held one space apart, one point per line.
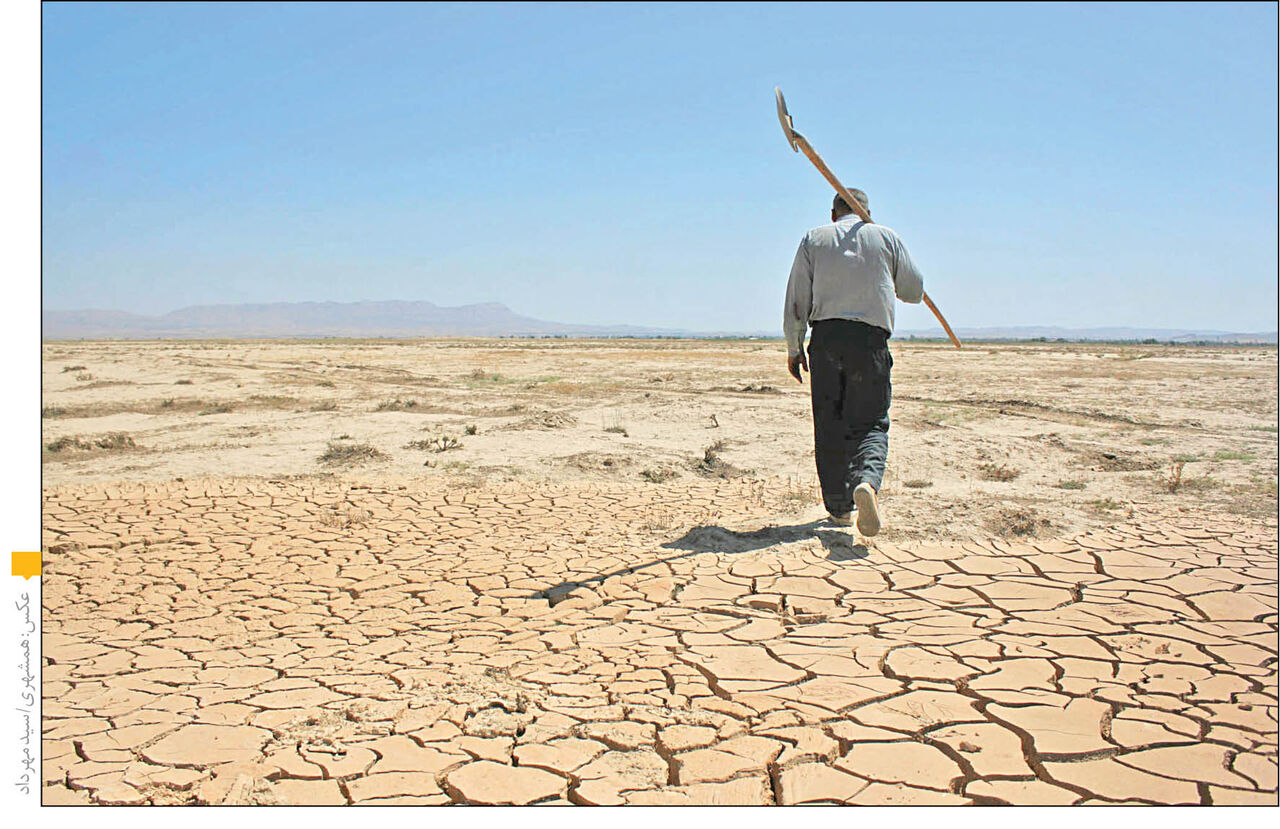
864 499
840 520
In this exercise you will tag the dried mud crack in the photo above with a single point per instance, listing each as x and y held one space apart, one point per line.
228 642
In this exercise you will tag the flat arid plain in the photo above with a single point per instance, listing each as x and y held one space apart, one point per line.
595 572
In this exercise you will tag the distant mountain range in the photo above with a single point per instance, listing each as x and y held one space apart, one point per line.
323 319
490 319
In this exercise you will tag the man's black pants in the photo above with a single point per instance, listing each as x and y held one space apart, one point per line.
849 365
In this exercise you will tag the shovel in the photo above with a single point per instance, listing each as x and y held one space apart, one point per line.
800 144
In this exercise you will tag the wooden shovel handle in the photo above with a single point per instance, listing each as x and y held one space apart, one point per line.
863 214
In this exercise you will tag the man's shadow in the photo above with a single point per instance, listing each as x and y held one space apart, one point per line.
839 545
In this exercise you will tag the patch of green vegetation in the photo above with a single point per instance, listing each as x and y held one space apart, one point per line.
1185 458
1072 484
1228 455
66 369
1267 428
1104 505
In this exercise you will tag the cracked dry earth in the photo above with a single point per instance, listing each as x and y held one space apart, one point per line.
314 642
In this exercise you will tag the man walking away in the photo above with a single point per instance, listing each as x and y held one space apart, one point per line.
843 282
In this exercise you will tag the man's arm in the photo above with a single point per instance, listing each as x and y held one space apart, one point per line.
908 284
795 312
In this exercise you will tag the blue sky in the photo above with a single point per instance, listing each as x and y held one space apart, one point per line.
1076 165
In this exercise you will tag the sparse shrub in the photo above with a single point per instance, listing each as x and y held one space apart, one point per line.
66 369
1173 479
917 483
440 444
617 430
167 403
396 405
657 476
470 430
84 375
1226 455
52 411
991 472
327 384
218 408
1185 458
1018 521
1104 504
183 383
1073 484
113 442
350 453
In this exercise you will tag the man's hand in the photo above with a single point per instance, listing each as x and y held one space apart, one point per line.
794 364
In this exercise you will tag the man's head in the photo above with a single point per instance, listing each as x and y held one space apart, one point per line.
840 209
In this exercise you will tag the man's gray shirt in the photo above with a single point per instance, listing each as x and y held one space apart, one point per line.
850 270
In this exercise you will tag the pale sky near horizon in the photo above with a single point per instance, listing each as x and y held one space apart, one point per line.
1074 165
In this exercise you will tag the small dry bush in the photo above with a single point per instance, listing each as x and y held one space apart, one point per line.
396 405
341 453
183 383
659 475
113 442
917 483
617 430
1017 521
439 444
991 472
52 411
1072 484
84 376
66 369
470 430
218 408
711 465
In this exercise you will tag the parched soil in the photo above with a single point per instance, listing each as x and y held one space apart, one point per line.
576 603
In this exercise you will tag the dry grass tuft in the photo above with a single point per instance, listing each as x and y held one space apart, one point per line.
396 405
341 453
1017 521
991 472
113 442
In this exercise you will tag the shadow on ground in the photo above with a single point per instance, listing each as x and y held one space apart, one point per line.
712 539
839 545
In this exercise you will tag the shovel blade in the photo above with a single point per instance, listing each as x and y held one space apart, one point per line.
785 119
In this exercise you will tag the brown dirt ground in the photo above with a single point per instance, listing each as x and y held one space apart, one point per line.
592 572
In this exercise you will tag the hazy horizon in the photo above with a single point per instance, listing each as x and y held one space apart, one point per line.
607 165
